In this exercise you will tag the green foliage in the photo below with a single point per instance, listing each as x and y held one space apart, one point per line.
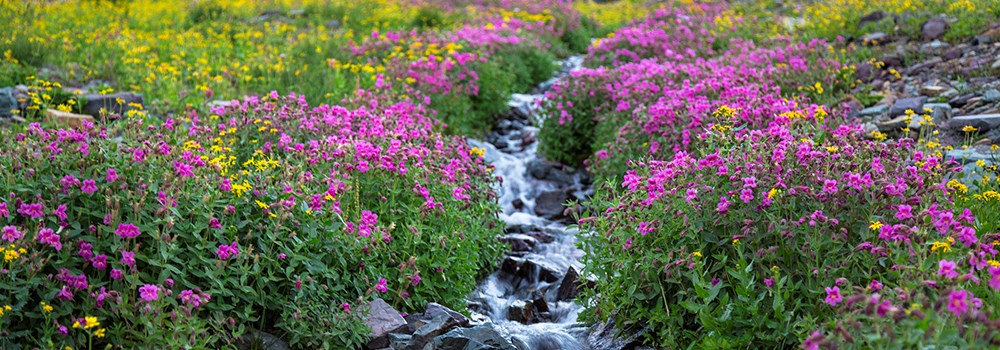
476 114
528 66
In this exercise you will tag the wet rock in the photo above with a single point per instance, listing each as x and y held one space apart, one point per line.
523 228
118 103
435 309
933 46
480 337
545 170
874 39
67 119
520 242
568 288
540 304
550 204
518 204
258 340
541 236
933 28
903 104
530 269
605 336
382 319
520 311
439 325
932 90
982 122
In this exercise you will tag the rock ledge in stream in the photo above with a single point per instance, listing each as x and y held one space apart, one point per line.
549 204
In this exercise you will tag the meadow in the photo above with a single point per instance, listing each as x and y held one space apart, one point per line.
293 160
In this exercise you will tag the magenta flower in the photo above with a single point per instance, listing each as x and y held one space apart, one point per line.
769 282
127 231
11 233
128 259
60 212
89 186
904 212
100 262
226 252
946 268
958 302
833 296
746 195
111 176
723 205
149 292
183 169
214 223
830 186
346 307
49 237
65 294
875 285
415 279
381 286
34 210
117 274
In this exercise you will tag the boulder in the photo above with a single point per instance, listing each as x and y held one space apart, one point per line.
7 102
933 28
960 101
872 17
520 311
382 319
531 269
605 336
118 103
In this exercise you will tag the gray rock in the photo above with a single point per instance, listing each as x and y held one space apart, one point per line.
435 309
441 324
118 103
872 17
912 103
399 341
864 72
982 122
933 46
480 337
382 319
550 204
939 111
953 54
873 39
933 28
255 339
874 112
897 123
962 100
932 90
991 95
7 102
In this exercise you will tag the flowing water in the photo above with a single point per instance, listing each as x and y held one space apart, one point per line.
524 299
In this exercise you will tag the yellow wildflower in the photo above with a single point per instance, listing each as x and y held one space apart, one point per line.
696 254
875 226
969 128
